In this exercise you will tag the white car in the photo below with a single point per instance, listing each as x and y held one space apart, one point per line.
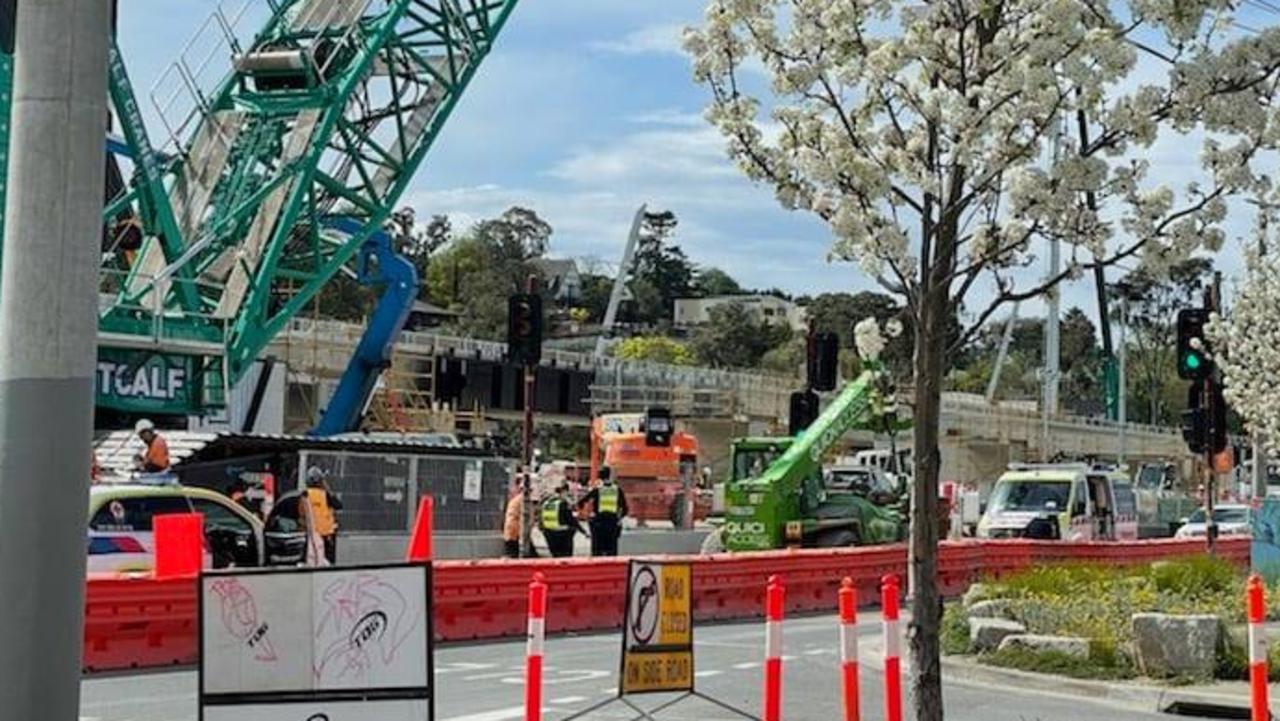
121 539
1232 519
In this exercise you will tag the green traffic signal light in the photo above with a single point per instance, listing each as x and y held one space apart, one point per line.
1192 362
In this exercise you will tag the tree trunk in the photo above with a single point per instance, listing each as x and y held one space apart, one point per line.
926 604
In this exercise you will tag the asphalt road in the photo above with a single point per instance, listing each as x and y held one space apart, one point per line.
484 682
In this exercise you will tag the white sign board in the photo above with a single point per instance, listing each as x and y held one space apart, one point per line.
410 710
472 482
325 635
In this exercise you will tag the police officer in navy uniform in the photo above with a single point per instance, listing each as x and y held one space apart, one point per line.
558 523
608 506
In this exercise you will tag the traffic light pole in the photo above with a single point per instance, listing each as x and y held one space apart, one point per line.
526 450
1212 298
1211 478
526 459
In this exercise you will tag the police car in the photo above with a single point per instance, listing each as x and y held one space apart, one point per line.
121 538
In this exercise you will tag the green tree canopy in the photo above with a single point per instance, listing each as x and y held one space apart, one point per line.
710 282
476 271
1152 301
654 349
734 338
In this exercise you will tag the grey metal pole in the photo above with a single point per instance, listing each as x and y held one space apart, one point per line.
48 333
1123 410
994 384
1260 462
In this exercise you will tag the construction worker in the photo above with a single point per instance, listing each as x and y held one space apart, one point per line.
558 523
608 506
324 503
239 492
156 458
511 521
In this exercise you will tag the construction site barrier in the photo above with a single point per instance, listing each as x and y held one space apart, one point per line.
139 623
1255 601
142 622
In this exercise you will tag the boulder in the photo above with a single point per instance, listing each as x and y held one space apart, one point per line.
1066 645
985 634
975 593
1169 645
995 608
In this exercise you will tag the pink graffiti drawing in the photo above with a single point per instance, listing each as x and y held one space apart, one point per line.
368 620
240 617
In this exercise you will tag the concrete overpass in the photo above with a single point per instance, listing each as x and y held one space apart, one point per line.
978 439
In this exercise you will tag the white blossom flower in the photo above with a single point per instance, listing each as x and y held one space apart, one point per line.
868 339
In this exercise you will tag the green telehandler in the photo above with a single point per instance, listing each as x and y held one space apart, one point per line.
778 495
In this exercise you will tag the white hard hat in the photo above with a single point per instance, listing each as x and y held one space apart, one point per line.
144 425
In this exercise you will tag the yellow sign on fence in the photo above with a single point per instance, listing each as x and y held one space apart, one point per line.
657 642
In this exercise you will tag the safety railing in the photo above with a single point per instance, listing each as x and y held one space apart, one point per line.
151 321
181 94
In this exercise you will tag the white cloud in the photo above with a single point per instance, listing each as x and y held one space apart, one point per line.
654 158
658 39
671 117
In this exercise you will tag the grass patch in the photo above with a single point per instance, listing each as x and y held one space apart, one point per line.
1060 664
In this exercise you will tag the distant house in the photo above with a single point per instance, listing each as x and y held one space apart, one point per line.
693 312
428 315
560 277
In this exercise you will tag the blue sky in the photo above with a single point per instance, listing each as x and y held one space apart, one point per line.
585 110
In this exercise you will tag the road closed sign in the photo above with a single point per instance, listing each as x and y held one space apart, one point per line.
657 642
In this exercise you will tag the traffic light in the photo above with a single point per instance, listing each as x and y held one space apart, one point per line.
1193 346
1217 417
657 427
804 411
1195 429
524 328
823 361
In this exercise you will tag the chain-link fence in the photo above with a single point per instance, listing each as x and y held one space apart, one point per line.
380 492
470 493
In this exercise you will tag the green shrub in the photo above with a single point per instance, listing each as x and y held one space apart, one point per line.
1061 664
1233 657
955 630
1196 576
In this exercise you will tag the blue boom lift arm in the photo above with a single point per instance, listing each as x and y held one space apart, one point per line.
378 263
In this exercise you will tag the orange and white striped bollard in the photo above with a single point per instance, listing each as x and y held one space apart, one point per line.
775 595
892 649
848 597
1256 601
533 653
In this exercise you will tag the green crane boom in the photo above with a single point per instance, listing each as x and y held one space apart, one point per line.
319 124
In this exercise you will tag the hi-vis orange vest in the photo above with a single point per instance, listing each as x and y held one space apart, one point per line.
321 514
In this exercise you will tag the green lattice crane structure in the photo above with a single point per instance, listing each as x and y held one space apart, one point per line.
271 178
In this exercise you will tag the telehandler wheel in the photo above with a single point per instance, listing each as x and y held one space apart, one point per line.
838 538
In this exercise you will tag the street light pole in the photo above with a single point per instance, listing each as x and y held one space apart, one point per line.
48 333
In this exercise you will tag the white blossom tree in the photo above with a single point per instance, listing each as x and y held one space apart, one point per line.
1251 333
921 132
